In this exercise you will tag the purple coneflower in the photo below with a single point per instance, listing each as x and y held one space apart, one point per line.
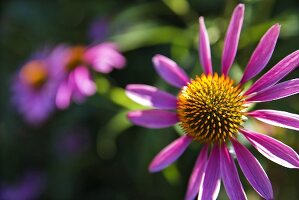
78 82
35 84
211 110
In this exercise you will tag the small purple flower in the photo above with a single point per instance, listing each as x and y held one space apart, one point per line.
98 29
78 82
35 84
73 142
211 110
30 187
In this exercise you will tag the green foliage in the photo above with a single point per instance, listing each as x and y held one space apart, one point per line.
112 164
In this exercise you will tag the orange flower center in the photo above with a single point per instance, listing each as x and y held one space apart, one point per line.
34 73
210 108
75 58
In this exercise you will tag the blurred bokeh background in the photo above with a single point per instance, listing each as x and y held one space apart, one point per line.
90 151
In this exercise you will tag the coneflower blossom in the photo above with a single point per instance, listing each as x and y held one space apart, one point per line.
35 84
77 62
211 110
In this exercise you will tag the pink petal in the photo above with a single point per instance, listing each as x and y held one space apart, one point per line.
204 48
230 176
197 175
277 91
211 182
83 81
77 95
253 171
151 96
104 57
261 54
63 96
232 39
277 118
170 153
170 71
153 118
273 149
275 74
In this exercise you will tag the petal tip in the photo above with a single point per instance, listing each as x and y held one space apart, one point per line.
277 27
201 19
153 169
129 87
188 197
133 114
156 58
241 6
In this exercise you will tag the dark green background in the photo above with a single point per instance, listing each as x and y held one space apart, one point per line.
113 160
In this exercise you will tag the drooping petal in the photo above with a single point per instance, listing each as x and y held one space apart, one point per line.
280 70
253 171
232 39
77 94
210 187
153 118
277 118
197 174
261 54
204 48
230 176
63 96
83 82
273 149
170 71
277 91
151 96
104 57
170 153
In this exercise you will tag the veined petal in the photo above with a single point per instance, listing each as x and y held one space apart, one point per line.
273 149
230 176
170 71
261 54
277 118
210 187
277 91
151 96
83 81
153 118
253 171
204 48
232 39
170 153
197 174
275 74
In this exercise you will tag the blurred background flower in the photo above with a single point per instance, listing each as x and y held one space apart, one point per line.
114 163
30 186
77 62
35 85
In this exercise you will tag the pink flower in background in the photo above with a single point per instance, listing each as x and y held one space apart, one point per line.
35 84
77 62
211 110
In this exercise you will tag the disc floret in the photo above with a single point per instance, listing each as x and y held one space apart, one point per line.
210 108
